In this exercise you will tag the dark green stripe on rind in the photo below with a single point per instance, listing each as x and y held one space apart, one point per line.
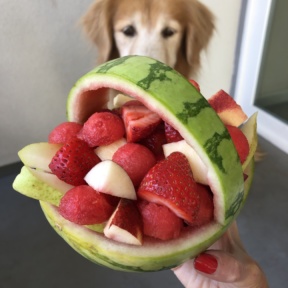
175 99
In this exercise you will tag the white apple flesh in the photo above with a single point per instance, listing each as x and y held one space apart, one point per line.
39 155
198 167
125 224
106 152
110 178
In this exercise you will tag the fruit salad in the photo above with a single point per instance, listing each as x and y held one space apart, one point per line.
146 178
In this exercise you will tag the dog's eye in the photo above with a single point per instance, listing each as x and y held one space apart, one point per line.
129 31
167 32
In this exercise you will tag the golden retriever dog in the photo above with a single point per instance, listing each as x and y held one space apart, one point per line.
172 31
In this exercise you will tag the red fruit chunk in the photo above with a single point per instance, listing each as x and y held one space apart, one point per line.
195 84
135 159
125 224
240 141
64 132
227 109
85 206
159 221
170 183
102 128
206 208
139 121
155 141
73 161
172 135
133 103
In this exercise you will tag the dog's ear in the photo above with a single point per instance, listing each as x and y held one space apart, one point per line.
97 26
199 32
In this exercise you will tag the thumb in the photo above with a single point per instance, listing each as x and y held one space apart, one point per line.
220 266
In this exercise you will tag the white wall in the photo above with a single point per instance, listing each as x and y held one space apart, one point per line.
43 53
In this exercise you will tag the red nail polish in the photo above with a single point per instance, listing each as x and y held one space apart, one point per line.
206 263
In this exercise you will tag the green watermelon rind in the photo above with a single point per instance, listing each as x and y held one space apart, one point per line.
176 100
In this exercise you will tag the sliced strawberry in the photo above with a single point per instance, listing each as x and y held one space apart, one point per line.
85 206
64 132
73 161
102 128
155 141
135 159
240 141
159 221
172 135
170 183
139 122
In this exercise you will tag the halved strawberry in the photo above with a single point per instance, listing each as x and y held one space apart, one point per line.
155 141
170 183
139 121
73 161
172 135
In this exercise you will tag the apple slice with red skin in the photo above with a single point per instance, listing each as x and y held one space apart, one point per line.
227 109
125 224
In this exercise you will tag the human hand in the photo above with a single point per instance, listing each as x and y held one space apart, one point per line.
225 265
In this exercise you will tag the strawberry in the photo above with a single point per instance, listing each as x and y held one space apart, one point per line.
102 128
170 183
155 140
139 121
85 206
172 135
64 132
73 161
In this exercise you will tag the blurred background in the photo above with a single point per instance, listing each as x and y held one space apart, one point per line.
43 52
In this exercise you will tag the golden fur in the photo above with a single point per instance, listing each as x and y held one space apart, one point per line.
193 21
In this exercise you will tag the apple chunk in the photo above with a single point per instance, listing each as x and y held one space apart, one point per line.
249 128
125 224
38 155
227 108
110 178
198 167
51 179
29 185
106 152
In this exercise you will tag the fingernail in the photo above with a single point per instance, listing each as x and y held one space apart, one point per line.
206 263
